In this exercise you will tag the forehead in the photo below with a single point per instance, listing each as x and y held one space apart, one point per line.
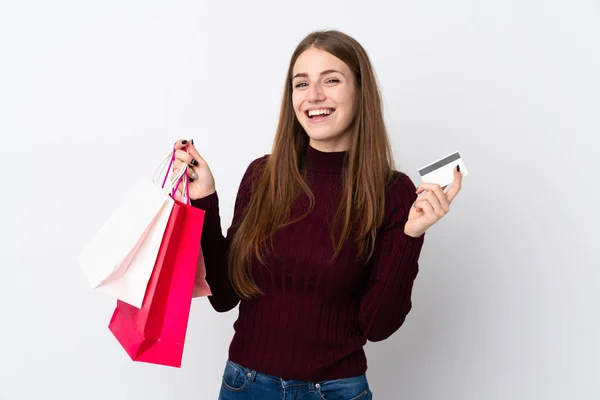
312 61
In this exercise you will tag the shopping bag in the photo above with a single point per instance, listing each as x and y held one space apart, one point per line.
119 258
156 332
201 287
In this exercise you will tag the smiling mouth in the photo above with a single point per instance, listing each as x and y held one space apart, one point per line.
320 113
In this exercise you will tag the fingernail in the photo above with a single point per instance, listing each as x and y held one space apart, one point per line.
184 142
194 163
191 179
458 168
194 176
192 141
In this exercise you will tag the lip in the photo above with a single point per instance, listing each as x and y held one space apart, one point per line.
319 118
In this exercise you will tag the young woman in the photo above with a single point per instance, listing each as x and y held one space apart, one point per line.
324 244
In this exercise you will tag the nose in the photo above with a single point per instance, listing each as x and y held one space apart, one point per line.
315 93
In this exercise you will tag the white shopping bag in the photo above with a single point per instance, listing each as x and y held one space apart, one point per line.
120 257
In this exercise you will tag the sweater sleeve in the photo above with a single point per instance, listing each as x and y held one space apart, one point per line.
386 300
215 246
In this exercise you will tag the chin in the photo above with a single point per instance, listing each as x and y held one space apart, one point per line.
322 134
333 141
323 137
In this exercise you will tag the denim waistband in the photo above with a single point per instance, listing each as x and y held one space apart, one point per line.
285 383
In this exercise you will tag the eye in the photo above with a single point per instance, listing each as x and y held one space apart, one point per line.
333 80
298 85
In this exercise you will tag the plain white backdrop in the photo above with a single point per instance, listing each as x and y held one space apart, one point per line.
93 94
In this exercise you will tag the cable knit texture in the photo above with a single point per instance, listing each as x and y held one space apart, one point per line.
316 316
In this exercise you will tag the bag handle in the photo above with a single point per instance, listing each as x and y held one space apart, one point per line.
185 177
161 169
176 181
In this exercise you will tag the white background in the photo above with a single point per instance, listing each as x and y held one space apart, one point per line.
93 94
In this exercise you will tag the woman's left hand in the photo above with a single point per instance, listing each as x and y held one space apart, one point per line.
432 206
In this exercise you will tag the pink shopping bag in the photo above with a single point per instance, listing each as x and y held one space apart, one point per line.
155 333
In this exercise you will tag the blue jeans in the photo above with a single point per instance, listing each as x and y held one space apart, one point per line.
241 383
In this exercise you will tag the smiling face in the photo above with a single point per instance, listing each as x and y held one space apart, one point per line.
323 96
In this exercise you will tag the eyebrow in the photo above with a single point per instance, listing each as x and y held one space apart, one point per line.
329 71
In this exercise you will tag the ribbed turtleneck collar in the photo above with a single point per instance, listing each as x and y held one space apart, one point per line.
320 161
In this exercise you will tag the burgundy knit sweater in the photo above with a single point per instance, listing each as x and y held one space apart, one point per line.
315 316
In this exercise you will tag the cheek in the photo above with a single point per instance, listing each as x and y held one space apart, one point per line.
344 98
350 98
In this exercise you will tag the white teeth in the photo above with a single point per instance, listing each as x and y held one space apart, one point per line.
312 113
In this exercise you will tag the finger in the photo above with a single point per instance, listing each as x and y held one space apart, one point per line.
425 207
186 157
178 183
180 144
423 187
427 186
419 197
456 186
177 165
441 199
190 169
439 191
433 200
192 174
194 152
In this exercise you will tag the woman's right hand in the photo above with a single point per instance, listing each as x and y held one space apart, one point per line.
202 182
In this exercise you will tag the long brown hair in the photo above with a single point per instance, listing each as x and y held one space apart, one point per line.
368 169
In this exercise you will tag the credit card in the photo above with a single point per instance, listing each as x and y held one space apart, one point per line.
442 170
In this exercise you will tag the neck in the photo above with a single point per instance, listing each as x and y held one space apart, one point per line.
339 144
325 161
